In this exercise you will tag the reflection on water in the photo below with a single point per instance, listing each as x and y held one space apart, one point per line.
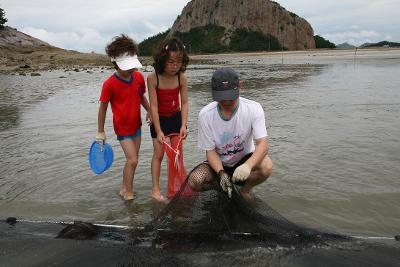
9 116
332 120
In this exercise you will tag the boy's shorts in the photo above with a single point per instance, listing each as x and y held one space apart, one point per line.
132 136
169 124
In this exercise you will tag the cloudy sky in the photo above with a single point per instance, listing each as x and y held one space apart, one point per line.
88 25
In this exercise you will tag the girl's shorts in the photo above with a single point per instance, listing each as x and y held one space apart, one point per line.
169 124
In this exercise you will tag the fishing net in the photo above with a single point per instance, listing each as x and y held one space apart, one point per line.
176 170
212 218
206 229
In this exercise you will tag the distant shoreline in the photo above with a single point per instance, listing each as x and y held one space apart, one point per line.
31 59
298 52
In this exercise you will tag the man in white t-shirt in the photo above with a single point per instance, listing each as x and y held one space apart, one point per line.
226 130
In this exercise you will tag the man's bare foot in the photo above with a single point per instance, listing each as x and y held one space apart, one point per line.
246 196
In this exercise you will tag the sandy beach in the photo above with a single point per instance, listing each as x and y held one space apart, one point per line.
34 59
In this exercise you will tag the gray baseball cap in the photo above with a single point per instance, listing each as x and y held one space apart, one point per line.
225 84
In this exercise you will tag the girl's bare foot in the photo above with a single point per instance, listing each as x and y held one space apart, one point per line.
122 191
156 195
129 196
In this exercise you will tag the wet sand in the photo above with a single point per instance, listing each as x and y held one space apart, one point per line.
30 244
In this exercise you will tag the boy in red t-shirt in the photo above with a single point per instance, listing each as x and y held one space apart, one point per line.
125 91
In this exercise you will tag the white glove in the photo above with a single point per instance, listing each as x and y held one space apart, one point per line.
101 137
225 182
241 173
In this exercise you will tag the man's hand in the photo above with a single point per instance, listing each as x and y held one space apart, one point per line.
101 138
225 182
241 173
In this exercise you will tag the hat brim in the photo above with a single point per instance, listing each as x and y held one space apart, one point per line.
232 94
128 63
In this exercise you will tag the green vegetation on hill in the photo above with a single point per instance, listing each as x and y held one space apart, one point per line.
243 40
3 19
382 44
208 39
205 39
147 46
320 42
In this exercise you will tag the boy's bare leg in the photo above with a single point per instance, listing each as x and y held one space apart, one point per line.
131 150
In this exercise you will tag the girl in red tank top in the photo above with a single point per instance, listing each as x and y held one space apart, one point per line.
168 95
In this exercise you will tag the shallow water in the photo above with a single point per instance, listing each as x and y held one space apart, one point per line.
333 124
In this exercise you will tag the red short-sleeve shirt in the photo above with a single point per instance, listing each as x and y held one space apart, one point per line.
124 97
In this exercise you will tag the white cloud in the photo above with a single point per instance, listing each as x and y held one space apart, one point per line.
89 25
388 37
358 20
70 40
353 37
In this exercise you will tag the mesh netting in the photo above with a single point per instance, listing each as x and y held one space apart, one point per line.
211 216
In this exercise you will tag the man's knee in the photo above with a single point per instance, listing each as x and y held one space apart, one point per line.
267 166
200 178
264 170
194 184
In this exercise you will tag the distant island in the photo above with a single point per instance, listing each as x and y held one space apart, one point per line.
215 26
380 44
345 46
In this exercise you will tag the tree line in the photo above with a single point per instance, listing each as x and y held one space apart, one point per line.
3 19
207 39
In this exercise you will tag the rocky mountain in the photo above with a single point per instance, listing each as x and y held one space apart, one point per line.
22 52
263 16
12 37
345 46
